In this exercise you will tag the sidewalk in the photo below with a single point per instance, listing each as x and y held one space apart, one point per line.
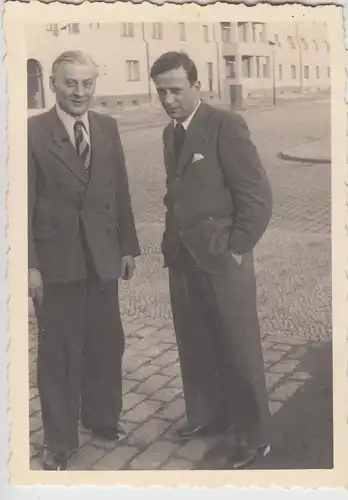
154 406
148 115
152 115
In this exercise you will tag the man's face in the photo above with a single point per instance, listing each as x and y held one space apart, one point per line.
74 86
178 96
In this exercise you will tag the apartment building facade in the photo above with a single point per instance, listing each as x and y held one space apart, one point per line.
245 59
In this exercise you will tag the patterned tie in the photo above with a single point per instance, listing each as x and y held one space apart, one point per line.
179 139
82 146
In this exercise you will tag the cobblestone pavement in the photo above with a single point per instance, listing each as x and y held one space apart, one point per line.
294 292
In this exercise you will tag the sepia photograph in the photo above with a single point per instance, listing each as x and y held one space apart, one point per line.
176 245
179 245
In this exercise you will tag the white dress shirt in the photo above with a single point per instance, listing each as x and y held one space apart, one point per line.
188 120
69 122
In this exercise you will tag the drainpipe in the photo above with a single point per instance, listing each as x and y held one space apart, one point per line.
217 62
147 64
300 58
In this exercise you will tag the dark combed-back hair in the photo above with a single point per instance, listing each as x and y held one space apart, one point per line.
175 60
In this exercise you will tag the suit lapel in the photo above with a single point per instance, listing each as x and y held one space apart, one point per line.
62 147
196 134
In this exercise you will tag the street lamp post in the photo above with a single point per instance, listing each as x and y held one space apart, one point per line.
273 44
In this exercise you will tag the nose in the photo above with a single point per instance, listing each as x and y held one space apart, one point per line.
79 90
169 98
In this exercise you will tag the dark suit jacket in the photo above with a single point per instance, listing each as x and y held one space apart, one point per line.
221 202
63 198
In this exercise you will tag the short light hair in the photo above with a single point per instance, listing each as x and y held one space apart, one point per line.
73 57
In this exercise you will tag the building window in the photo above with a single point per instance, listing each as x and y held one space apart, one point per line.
246 66
133 74
128 30
291 42
210 68
304 44
327 46
328 71
226 32
157 31
258 67
182 29
206 32
242 32
280 72
253 30
230 67
262 32
266 69
318 72
74 28
306 72
293 72
277 41
316 45
52 27
94 25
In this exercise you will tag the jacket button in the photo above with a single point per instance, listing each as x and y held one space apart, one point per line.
59 185
107 206
108 231
181 233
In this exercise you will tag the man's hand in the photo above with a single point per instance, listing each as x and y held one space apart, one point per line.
127 267
35 286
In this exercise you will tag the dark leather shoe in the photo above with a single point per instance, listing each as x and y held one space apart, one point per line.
195 430
109 433
54 461
244 456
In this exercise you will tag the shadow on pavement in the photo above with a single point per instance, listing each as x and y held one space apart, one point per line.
302 434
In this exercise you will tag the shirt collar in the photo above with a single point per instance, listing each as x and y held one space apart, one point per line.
188 120
69 121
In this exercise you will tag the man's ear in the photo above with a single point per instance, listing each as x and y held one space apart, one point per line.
52 84
197 85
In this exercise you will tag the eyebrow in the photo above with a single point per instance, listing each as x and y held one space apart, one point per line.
177 87
84 79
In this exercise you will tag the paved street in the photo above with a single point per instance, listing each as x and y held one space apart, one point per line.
294 293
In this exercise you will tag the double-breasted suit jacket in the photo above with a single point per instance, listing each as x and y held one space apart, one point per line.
80 224
62 195
220 202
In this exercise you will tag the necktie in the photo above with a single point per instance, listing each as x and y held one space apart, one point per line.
179 139
82 146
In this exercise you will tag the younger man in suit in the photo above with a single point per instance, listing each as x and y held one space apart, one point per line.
81 240
218 205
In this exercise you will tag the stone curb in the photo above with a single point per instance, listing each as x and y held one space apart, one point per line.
289 157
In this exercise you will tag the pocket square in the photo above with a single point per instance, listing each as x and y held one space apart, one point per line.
197 157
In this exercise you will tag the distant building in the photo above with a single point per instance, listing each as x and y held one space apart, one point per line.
235 60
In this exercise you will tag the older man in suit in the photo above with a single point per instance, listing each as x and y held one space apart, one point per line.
218 205
81 240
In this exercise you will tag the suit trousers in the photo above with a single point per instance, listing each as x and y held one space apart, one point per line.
79 368
219 344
